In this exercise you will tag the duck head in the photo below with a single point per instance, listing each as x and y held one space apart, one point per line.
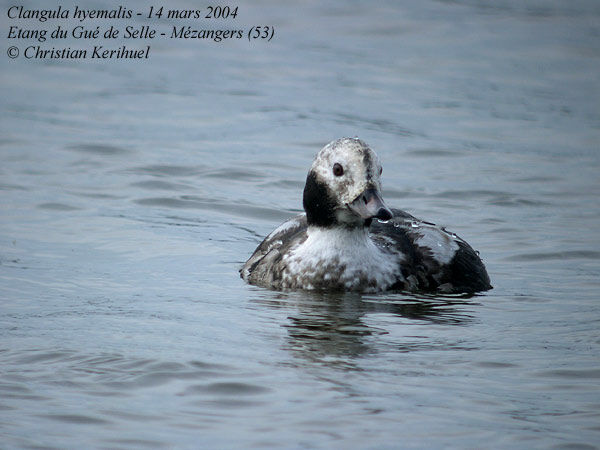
343 186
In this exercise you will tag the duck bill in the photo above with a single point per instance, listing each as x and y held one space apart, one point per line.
369 205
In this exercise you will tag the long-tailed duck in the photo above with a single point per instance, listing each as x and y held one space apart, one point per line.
336 244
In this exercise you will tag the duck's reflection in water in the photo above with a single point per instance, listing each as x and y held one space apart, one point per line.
336 328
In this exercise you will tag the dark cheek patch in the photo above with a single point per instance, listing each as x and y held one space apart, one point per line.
318 203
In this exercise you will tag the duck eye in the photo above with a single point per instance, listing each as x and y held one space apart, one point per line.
338 170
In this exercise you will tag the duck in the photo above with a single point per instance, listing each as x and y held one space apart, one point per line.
349 240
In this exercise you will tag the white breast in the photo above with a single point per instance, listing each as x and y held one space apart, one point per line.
347 258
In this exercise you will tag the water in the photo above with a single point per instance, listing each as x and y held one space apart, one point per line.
132 192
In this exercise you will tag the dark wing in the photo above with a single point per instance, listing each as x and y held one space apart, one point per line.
264 267
434 259
466 272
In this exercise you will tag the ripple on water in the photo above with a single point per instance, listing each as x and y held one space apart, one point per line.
100 149
226 174
498 198
496 365
12 187
547 256
233 388
207 386
575 374
161 185
231 173
165 170
19 392
472 193
433 153
34 356
242 93
368 123
75 419
58 206
225 395
294 185
112 370
235 209
130 443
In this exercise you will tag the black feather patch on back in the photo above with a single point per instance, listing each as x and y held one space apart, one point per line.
415 265
466 271
318 203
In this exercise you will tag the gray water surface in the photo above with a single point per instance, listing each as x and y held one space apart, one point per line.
133 191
